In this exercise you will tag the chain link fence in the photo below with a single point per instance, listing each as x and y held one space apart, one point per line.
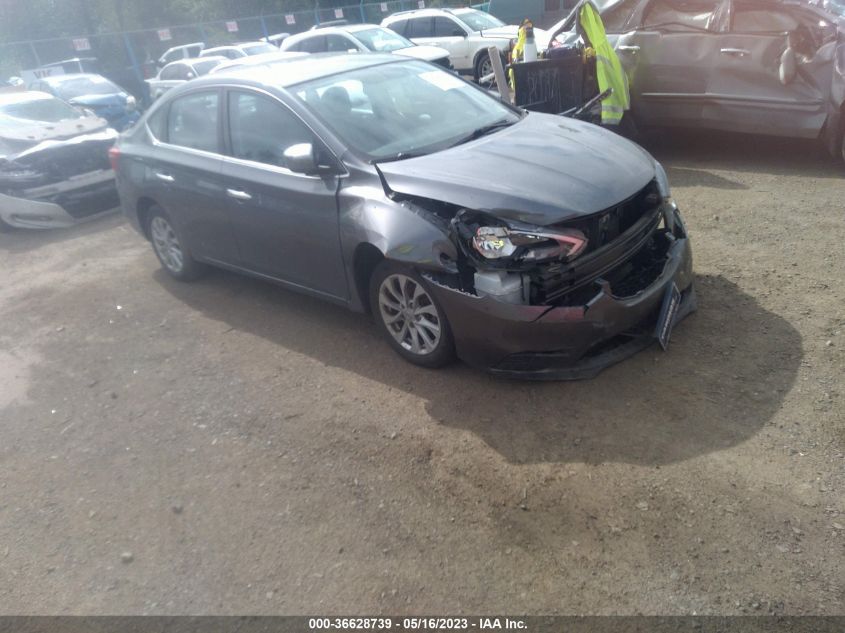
129 58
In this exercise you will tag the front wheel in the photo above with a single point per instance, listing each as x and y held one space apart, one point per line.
410 317
483 69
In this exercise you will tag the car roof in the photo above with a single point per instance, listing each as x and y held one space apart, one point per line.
235 45
417 13
289 72
258 60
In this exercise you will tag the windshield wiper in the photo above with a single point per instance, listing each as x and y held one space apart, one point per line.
484 131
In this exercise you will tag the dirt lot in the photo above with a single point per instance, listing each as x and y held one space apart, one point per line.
231 447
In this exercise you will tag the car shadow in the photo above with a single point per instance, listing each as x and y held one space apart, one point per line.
726 374
25 240
697 150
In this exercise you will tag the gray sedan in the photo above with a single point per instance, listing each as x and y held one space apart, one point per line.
527 244
772 67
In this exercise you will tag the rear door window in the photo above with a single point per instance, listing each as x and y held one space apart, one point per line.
193 121
681 15
174 72
316 44
420 27
400 26
339 44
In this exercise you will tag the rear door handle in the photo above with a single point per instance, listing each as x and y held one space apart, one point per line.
164 177
238 195
736 52
629 49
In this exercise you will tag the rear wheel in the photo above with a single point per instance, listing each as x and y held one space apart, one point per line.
170 249
410 317
4 227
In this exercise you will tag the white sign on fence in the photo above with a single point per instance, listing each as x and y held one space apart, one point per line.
39 73
384 7
290 18
81 44
232 26
164 35
338 13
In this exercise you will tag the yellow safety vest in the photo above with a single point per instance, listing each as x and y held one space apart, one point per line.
608 67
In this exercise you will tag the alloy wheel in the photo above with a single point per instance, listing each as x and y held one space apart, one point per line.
409 314
485 69
167 244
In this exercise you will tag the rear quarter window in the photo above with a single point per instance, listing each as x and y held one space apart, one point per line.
157 123
400 26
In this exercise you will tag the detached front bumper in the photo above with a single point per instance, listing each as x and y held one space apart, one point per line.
63 204
565 343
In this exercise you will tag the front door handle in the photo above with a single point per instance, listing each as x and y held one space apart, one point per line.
629 49
238 195
736 52
164 177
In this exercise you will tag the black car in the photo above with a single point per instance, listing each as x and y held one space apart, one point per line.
528 244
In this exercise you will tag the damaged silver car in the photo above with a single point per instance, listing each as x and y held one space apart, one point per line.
54 163
526 244
774 67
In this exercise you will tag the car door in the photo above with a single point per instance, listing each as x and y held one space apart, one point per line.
747 89
286 223
184 175
670 57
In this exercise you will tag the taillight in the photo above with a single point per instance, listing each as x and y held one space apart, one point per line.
114 157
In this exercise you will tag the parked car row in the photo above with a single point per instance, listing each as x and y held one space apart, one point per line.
54 167
527 244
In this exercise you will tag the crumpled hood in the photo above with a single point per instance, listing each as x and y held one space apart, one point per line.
543 170
31 133
426 53
100 101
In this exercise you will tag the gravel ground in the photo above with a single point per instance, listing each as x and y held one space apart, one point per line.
231 447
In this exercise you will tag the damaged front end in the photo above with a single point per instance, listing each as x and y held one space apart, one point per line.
56 182
566 300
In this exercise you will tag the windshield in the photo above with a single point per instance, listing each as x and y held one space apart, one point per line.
382 40
478 20
835 6
258 49
393 111
84 86
204 67
45 109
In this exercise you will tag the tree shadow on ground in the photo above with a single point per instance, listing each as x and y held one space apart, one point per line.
725 376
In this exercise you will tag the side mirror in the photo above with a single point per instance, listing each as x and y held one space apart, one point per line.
788 66
300 158
191 76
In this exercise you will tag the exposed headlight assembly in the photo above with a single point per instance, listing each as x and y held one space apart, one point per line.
498 242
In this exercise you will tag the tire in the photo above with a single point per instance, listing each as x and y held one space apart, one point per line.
169 247
482 64
4 227
428 342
